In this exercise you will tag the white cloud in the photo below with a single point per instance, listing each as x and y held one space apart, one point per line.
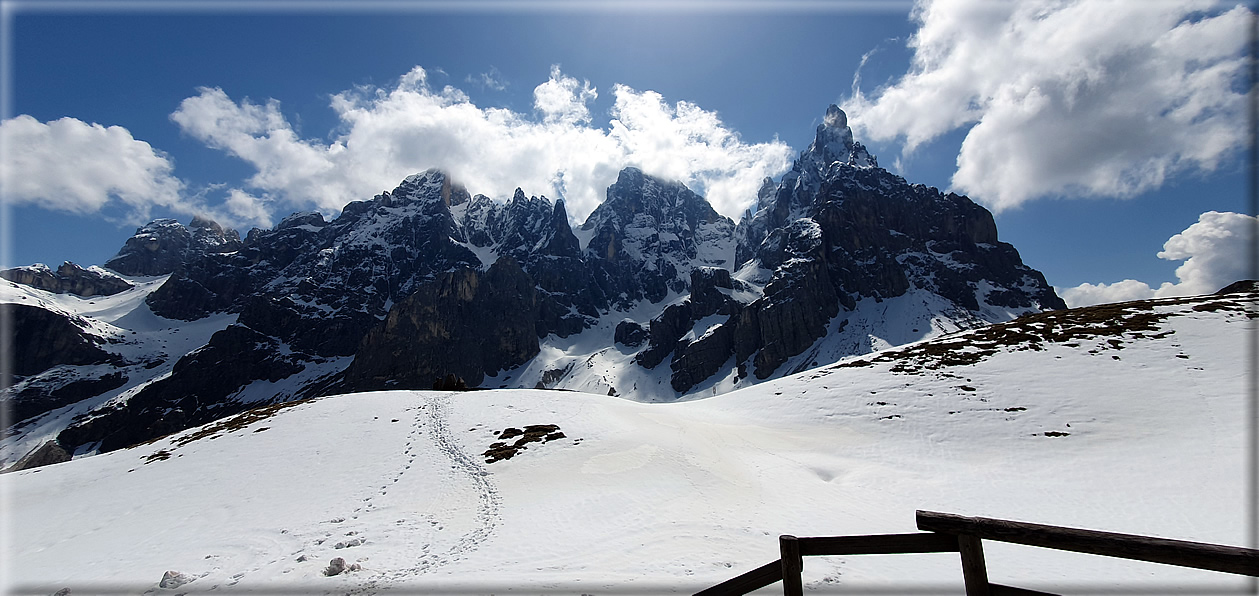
685 142
488 80
245 208
1087 294
1068 98
70 165
1215 250
259 134
389 133
561 100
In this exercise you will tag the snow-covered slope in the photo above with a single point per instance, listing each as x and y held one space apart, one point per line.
143 345
1125 418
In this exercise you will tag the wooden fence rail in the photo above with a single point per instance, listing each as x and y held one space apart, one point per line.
1212 557
946 532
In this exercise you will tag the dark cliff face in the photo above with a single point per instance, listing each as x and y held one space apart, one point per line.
199 390
45 339
320 285
464 323
48 346
535 233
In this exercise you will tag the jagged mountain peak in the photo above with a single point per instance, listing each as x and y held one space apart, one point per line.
834 142
644 202
162 245
312 219
649 233
426 186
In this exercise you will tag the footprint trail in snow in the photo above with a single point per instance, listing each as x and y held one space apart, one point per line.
474 490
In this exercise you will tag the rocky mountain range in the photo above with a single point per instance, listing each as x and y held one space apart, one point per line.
654 297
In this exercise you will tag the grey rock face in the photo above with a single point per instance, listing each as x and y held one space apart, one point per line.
630 333
174 579
1245 285
47 454
535 233
668 332
162 246
838 229
69 278
649 234
320 285
54 389
463 323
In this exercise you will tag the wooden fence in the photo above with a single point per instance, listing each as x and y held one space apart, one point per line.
948 533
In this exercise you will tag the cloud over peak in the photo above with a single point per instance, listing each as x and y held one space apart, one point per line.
389 133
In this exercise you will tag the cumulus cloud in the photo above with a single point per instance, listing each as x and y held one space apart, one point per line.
561 100
1215 250
70 165
1075 98
386 134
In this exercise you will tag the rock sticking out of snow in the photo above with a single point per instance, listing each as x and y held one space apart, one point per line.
337 566
349 543
173 579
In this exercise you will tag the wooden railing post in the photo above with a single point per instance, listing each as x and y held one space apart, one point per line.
974 570
792 564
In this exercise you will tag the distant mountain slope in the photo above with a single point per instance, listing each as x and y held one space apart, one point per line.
655 297
1123 418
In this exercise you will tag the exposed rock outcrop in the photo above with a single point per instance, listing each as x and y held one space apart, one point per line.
68 279
630 333
46 339
47 454
649 234
463 323
200 389
28 399
838 229
161 246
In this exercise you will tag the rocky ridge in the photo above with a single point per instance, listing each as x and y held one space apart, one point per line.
428 280
69 278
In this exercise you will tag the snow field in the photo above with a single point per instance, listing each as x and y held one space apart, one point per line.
675 496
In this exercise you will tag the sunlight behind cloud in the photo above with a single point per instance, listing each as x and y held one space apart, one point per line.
390 133
1078 98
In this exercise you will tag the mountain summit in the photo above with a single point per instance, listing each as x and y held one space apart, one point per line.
654 297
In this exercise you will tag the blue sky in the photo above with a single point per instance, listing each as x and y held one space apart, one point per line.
1094 145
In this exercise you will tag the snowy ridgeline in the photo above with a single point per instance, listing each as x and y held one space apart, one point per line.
1123 418
655 297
